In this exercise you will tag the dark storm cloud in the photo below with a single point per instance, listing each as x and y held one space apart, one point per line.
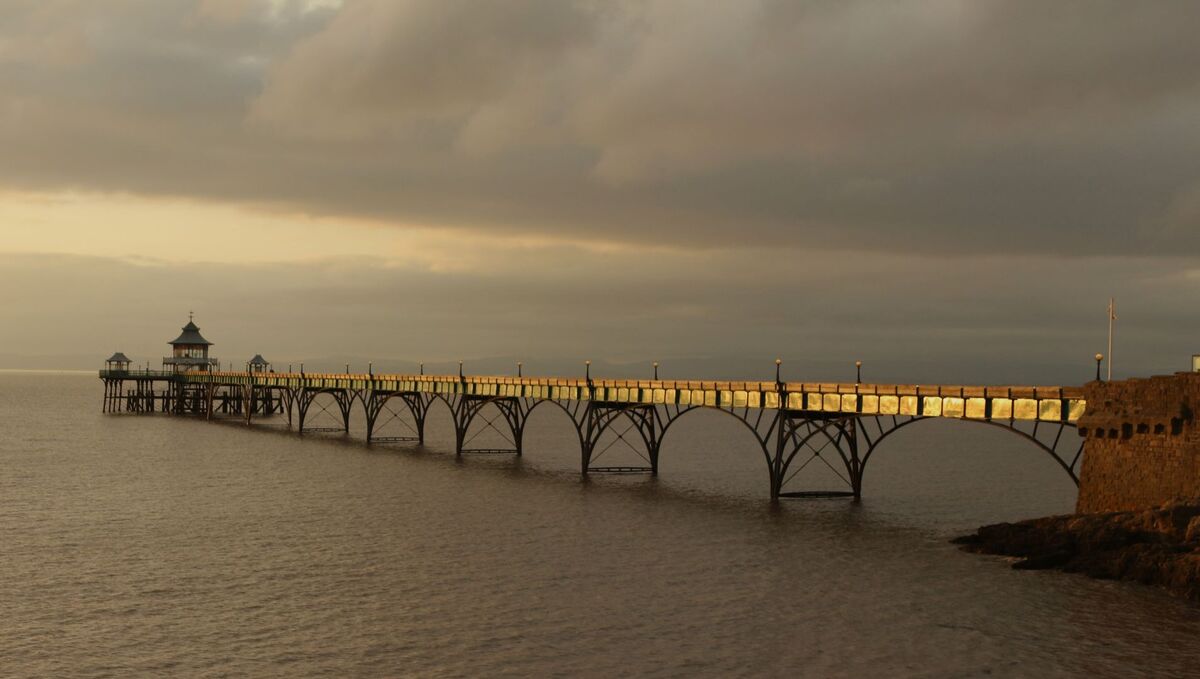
1065 128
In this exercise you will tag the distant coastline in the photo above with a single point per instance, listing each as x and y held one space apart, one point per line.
65 371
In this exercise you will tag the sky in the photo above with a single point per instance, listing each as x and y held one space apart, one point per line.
946 190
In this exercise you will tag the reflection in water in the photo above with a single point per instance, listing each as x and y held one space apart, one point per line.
160 546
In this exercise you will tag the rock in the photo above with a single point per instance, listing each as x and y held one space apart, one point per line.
1045 561
1159 546
1193 531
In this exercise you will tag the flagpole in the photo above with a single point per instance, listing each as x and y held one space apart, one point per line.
1112 316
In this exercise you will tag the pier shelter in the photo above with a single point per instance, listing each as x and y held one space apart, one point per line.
117 363
189 352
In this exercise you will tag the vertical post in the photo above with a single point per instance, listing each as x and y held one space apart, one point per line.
656 370
518 431
302 403
653 442
585 453
854 464
368 400
460 429
345 404
417 405
369 407
1112 316
781 423
249 395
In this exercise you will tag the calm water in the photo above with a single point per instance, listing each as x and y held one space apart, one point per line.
157 546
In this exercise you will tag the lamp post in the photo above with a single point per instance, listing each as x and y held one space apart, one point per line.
587 367
1099 360
656 370
519 369
858 372
778 362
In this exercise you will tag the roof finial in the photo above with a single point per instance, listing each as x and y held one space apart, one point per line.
190 315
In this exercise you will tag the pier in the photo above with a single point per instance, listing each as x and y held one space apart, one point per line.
795 424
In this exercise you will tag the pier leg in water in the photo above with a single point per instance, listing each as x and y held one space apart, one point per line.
303 400
588 442
853 464
345 401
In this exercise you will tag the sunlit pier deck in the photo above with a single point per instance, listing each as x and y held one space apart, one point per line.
1047 403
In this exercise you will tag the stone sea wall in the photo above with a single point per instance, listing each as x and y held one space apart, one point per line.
1143 444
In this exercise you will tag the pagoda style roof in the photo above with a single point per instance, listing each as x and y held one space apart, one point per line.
119 358
191 335
258 360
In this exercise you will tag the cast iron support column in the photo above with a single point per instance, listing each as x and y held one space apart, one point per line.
248 395
588 441
585 452
302 403
345 403
781 436
854 464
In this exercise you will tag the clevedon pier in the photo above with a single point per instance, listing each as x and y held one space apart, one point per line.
795 424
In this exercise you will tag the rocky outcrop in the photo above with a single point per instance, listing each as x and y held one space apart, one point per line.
1158 546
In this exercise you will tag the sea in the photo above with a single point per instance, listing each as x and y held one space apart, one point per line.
159 546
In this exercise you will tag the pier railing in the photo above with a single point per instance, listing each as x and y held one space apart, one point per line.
137 374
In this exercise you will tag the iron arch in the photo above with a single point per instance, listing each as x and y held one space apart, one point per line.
762 439
344 403
570 416
798 443
1069 468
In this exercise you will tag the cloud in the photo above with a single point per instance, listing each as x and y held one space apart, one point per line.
947 126
386 67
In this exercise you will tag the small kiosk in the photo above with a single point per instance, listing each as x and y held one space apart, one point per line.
258 364
117 363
